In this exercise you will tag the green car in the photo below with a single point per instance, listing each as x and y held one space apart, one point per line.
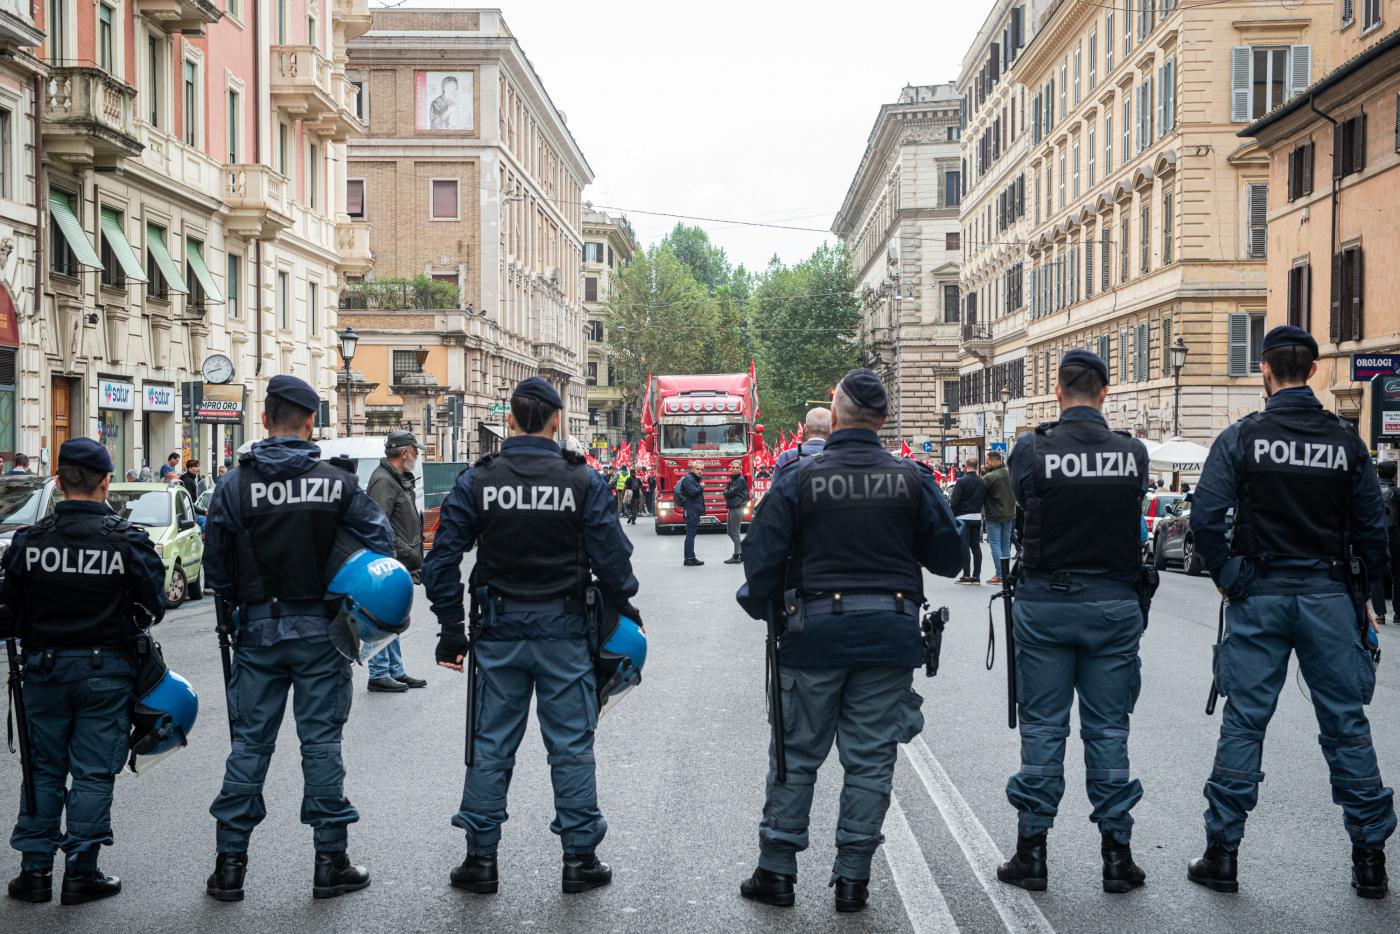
167 514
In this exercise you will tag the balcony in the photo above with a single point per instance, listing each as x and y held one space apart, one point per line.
89 118
352 248
976 339
341 122
352 16
184 16
301 82
257 201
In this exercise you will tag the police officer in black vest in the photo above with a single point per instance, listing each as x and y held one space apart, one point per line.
1077 620
270 549
77 584
543 522
843 535
1306 501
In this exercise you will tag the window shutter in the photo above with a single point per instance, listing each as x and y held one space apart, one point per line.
1240 63
1088 265
1105 262
1334 326
1397 122
1358 144
1239 345
1294 298
355 197
1168 212
1338 150
1145 234
1258 221
1125 233
1348 12
1306 182
1357 281
1122 355
1293 173
1171 96
1305 291
1161 100
1299 70
1166 345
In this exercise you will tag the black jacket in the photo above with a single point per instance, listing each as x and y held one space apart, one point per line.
736 494
968 494
393 491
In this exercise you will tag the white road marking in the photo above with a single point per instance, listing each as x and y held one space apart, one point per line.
922 898
1019 912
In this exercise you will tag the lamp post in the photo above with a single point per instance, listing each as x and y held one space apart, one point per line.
1004 397
348 340
1178 352
945 422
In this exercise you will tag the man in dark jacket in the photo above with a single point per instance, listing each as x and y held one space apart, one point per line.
966 502
736 496
633 497
392 486
190 479
690 498
999 511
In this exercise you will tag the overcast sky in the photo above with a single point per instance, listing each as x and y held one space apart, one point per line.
755 110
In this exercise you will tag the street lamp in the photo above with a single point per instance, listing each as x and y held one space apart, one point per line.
1004 397
1178 353
945 422
348 341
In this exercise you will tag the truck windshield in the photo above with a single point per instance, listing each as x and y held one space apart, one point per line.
727 438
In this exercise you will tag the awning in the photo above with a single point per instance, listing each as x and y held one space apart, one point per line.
61 207
493 429
212 295
155 242
121 247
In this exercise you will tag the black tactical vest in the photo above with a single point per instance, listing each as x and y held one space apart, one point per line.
1087 508
857 521
289 528
530 519
77 576
1295 491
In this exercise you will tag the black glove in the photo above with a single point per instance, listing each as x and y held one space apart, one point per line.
452 644
632 613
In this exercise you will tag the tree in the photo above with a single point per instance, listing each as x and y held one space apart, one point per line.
706 262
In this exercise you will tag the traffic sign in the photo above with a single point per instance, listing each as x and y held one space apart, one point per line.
498 408
928 447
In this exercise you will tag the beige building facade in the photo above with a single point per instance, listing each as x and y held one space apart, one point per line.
1334 188
469 178
1145 217
899 220
609 244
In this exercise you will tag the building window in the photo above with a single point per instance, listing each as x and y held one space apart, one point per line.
1166 345
593 252
1258 221
355 197
952 240
1347 294
106 46
233 8
281 22
1092 149
595 331
58 26
1300 295
155 78
191 103
1349 146
592 378
402 363
1246 333
1300 171
284 300
1075 186
7 142
590 288
951 302
1145 236
162 272
1264 77
1061 188
1168 225
952 189
1107 140
231 284
444 198
361 101
1166 98
1127 127
1108 35
235 120
1124 232
1348 12
1093 58
1370 14
1142 356
1077 61
313 308
283 148
313 175
1106 259
1088 263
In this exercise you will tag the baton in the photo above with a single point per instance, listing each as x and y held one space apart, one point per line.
223 625
474 630
775 696
1214 684
1007 598
26 763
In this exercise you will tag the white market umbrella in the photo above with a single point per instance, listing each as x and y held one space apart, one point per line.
1179 454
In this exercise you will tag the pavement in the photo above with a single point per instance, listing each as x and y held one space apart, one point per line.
681 764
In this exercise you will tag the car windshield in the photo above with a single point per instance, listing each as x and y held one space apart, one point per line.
722 438
19 503
1164 504
148 508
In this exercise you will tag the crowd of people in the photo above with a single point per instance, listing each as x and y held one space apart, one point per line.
633 491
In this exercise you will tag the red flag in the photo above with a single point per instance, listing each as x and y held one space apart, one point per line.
753 387
798 435
646 409
904 449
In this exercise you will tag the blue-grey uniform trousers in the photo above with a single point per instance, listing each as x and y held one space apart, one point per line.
1251 665
79 728
868 712
319 678
560 674
1089 648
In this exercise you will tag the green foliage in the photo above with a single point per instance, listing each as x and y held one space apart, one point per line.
394 294
706 262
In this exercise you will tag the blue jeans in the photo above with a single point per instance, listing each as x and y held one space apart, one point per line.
388 663
999 539
692 526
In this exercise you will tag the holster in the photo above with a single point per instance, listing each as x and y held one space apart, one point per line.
932 625
1148 582
794 611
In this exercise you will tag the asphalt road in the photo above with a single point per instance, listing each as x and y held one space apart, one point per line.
681 766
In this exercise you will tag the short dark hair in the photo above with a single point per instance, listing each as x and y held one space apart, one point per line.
192 462
174 456
79 479
21 460
1080 381
1387 470
284 414
531 414
1289 363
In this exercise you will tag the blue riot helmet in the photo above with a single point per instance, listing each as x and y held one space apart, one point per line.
161 721
375 593
618 664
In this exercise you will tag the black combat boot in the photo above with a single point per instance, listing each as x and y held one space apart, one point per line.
477 874
335 876
851 894
1368 872
584 871
32 885
1027 867
1120 873
226 881
1218 869
87 885
770 888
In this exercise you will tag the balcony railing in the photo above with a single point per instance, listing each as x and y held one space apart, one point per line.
301 81
258 201
342 121
183 16
420 294
89 117
352 248
976 334
353 16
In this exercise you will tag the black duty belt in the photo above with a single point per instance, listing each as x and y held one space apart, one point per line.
557 605
905 605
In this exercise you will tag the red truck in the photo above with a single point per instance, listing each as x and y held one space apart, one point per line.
706 420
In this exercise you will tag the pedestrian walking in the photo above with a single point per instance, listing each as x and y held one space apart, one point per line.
544 524
736 497
651 492
76 587
170 470
690 499
817 427
620 489
846 533
998 511
1384 588
393 487
1077 621
270 548
190 478
1307 506
966 502
633 497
